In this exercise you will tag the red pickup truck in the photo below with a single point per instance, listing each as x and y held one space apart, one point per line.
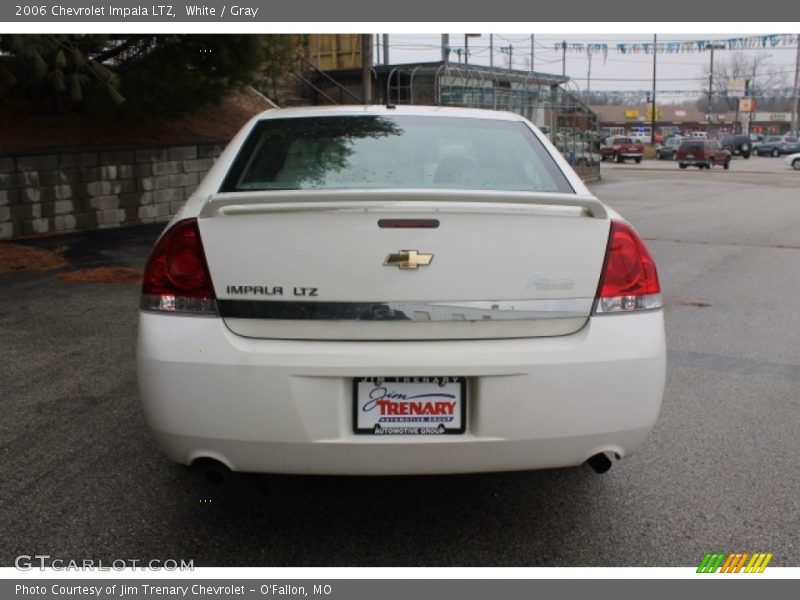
620 149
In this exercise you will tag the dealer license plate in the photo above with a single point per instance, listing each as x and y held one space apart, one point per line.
409 405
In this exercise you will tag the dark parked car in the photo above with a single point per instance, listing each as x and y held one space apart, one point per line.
702 154
777 145
737 145
667 150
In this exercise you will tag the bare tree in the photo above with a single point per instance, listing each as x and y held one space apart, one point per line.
766 79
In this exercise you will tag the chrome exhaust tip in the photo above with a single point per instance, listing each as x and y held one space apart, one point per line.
600 463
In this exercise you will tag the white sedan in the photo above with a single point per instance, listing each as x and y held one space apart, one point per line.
793 160
398 290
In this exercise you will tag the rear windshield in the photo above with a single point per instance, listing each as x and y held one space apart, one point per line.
348 152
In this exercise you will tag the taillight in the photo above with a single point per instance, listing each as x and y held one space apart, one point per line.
176 278
629 281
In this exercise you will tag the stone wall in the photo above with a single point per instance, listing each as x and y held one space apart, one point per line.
49 192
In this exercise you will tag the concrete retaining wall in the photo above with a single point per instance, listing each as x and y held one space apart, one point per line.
44 193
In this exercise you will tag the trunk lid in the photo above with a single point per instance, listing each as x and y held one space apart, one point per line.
351 264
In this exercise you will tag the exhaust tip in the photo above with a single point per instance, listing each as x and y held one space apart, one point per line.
600 463
213 470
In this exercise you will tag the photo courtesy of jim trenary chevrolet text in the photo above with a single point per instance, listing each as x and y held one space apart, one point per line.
337 300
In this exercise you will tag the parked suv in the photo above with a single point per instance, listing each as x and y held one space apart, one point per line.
620 148
738 145
777 145
668 149
702 154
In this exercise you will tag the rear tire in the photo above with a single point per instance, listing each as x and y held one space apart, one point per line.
681 165
727 164
637 160
775 152
796 164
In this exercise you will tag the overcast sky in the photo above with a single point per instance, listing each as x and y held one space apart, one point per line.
616 71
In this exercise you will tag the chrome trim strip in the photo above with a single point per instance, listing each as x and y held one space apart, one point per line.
481 310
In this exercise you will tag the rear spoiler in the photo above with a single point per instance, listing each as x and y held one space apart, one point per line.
433 200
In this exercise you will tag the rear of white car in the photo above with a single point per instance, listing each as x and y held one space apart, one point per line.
381 290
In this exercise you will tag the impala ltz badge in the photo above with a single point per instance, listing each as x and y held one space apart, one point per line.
408 259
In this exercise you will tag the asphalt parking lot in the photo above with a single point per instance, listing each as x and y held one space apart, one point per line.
80 478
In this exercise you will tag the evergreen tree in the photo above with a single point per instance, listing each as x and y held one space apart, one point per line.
164 74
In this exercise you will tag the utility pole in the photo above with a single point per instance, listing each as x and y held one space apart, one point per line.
796 90
445 48
386 48
491 50
710 84
653 116
589 77
532 52
563 58
711 46
508 50
366 66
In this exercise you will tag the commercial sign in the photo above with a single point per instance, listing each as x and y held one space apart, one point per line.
631 114
736 87
650 113
747 105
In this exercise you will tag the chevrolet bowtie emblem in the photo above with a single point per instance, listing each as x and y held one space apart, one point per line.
408 259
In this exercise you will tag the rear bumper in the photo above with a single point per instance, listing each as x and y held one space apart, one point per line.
285 406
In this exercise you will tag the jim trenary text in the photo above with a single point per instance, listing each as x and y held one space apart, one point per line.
123 590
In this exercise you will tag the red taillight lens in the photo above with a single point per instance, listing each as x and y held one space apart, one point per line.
629 281
176 278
